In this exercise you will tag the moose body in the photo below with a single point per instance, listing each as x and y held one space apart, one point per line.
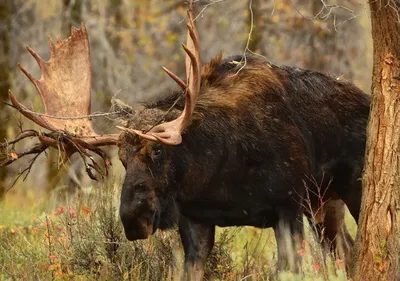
258 133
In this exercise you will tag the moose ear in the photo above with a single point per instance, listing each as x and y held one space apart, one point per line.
197 120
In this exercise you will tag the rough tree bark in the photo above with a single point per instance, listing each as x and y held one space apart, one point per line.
377 248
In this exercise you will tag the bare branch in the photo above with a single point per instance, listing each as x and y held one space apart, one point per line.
89 116
38 150
327 11
201 13
21 136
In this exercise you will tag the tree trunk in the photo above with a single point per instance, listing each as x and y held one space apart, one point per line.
377 252
5 25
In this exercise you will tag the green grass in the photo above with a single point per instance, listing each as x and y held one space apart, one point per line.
84 240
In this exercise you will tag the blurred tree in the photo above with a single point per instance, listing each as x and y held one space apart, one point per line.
377 250
315 60
6 12
311 34
71 16
116 11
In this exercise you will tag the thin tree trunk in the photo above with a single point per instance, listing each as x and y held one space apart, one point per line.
315 60
377 251
5 25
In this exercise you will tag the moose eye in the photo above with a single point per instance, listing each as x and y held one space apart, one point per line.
157 152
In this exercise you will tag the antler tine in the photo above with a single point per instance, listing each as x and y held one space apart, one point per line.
193 54
193 62
170 133
178 80
38 59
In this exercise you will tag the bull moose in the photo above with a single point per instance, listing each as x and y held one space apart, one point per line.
234 145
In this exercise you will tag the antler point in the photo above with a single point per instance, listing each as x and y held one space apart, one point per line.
51 43
178 80
121 128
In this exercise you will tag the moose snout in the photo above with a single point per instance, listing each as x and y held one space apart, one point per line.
139 226
138 217
138 209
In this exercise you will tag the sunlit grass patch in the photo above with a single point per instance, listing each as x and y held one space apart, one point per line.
19 209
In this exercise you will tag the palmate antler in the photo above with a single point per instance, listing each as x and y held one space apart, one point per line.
65 90
170 133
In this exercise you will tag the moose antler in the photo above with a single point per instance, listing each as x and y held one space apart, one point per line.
65 90
170 133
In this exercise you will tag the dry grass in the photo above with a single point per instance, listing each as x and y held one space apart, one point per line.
84 240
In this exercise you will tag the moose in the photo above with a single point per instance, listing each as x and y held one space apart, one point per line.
236 144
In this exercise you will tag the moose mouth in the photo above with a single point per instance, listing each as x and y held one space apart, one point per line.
142 227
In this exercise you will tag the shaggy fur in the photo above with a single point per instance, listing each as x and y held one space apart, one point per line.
257 137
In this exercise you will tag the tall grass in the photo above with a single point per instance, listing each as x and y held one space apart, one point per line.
84 240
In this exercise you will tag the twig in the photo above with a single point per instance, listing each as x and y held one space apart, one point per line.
396 8
68 118
50 244
27 169
36 149
247 276
248 38
21 136
329 8
201 13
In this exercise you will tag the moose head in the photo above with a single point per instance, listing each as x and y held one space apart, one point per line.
65 90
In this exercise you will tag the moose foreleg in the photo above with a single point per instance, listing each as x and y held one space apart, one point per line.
289 234
198 241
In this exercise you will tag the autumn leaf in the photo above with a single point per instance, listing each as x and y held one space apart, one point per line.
72 212
14 155
53 267
316 267
339 263
35 230
60 210
301 252
52 257
86 210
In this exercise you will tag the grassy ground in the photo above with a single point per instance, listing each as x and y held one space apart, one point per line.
84 240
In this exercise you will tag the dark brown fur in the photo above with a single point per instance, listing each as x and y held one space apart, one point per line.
255 137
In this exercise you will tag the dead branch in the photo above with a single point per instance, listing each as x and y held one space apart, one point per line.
39 149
